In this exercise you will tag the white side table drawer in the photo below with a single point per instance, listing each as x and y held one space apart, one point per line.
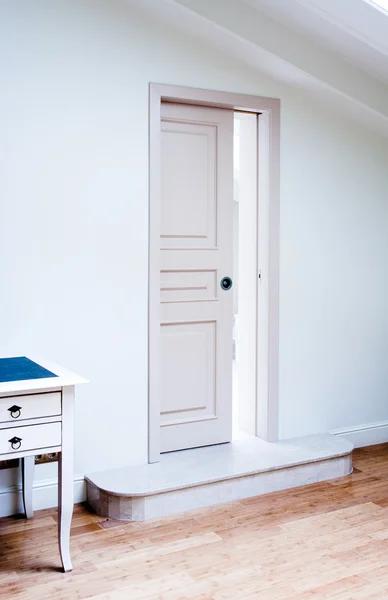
30 437
33 406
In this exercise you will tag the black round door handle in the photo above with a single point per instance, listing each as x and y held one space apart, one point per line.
15 442
226 283
15 411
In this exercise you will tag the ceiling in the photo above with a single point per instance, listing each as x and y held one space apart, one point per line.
356 30
335 50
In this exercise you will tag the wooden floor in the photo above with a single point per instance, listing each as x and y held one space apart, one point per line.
327 540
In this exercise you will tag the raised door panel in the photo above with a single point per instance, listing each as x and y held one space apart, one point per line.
188 372
188 286
188 180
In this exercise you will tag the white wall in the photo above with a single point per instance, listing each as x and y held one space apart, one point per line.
334 283
74 214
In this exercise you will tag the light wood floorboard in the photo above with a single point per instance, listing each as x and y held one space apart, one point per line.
322 541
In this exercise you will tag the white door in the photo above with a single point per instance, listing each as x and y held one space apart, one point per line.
196 255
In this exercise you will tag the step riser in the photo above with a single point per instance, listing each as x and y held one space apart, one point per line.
142 508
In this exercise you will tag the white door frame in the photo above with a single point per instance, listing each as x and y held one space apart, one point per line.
267 324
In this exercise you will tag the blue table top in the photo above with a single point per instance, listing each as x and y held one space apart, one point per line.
21 368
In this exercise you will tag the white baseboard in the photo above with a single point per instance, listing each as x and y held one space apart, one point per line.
45 495
365 435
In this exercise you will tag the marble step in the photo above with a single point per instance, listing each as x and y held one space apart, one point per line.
200 477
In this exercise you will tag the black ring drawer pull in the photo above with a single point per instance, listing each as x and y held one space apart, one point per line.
15 411
15 443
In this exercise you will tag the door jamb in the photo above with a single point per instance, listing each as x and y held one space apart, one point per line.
268 250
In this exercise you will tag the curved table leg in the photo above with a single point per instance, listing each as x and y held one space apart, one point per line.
66 477
28 463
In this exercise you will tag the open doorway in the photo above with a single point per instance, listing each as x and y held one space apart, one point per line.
191 304
246 274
